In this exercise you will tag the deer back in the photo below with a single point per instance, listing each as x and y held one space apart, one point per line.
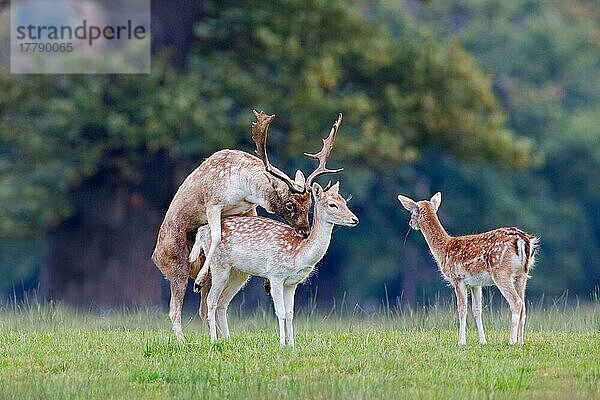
489 246
220 179
470 255
255 245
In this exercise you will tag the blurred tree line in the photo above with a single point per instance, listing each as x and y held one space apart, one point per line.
545 59
494 104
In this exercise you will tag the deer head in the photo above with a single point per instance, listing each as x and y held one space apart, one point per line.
419 210
291 198
333 205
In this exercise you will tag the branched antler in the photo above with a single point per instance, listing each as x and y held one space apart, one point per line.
259 135
260 129
323 155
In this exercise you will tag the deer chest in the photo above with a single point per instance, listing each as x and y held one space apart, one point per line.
298 276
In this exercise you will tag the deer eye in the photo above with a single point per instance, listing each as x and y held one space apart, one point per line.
289 206
333 205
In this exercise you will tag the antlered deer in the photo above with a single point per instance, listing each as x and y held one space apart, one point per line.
501 257
230 182
267 248
259 134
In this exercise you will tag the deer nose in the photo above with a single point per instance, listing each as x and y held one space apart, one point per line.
355 220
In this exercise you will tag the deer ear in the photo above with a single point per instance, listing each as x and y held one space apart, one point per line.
437 200
300 179
407 203
335 188
317 191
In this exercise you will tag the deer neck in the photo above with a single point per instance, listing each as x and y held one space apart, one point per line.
261 192
435 235
313 249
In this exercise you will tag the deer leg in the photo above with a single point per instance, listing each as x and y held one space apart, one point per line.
236 281
170 257
206 285
288 300
196 254
267 286
219 280
476 306
178 286
520 284
507 288
461 304
213 215
279 305
195 267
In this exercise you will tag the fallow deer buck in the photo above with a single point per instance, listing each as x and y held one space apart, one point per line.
229 182
501 257
299 186
267 248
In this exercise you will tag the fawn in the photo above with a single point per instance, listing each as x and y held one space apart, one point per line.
501 257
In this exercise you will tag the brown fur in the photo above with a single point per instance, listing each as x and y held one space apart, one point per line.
472 253
476 252
501 257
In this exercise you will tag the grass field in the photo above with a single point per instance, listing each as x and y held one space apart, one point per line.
54 352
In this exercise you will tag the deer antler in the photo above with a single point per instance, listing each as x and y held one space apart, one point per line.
323 155
259 135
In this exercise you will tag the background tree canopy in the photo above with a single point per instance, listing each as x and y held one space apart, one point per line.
494 104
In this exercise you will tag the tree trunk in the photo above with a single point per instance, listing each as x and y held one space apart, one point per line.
101 256
173 26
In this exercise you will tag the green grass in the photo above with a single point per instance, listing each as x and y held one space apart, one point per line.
52 351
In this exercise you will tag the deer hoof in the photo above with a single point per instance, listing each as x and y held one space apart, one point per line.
197 287
267 285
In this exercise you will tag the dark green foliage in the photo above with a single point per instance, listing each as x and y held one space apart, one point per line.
545 62
436 96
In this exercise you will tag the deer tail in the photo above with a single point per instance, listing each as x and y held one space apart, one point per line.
527 248
198 247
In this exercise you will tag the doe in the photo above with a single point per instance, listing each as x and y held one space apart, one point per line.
269 249
501 257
